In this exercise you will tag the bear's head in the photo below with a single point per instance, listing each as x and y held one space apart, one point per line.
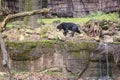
59 27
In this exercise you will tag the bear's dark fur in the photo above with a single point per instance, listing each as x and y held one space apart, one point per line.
68 26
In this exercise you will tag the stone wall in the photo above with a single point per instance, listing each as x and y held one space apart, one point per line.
66 57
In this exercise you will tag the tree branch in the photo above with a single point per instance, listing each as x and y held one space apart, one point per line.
23 14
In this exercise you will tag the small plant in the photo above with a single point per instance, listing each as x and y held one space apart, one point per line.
98 13
56 37
44 30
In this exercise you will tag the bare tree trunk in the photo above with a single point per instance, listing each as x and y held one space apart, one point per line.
70 8
0 4
119 8
5 61
32 21
21 5
27 8
1 10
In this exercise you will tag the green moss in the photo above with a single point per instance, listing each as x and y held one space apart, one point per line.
31 44
116 42
84 54
59 74
77 46
47 43
44 30
21 56
80 49
53 73
75 54
91 46
71 76
21 50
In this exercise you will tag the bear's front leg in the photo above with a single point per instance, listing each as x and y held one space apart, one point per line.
65 32
72 34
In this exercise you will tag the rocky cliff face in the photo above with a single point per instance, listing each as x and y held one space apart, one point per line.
69 58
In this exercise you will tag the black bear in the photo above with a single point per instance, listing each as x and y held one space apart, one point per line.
68 26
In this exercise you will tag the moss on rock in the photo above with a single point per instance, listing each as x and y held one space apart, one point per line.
22 50
81 49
